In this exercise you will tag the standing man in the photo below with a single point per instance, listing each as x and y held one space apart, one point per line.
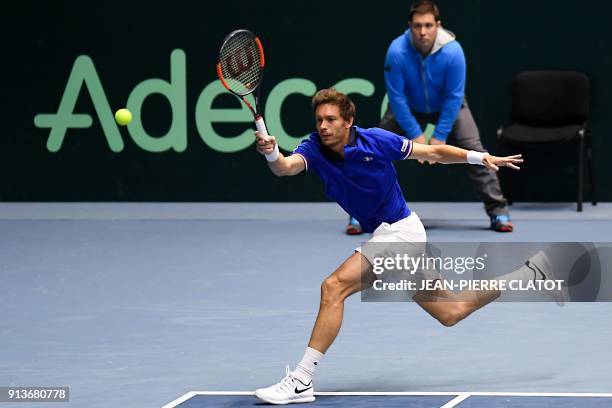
425 81
355 166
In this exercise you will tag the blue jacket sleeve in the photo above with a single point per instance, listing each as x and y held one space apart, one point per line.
395 84
454 92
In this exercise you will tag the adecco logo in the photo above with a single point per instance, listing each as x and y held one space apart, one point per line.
84 74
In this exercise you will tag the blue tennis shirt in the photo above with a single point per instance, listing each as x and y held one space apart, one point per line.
364 183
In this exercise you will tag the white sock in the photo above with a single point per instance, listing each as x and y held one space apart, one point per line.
306 368
523 273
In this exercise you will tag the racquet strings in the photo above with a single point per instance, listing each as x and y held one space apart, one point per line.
240 63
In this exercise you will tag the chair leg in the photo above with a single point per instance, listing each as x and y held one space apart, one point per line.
580 173
591 167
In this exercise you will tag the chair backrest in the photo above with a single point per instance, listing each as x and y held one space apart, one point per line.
550 98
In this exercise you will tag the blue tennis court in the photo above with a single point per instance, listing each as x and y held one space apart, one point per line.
154 301
424 400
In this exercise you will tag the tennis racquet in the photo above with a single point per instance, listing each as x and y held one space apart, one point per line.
240 69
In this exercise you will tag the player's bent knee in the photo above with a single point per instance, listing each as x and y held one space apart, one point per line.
331 290
334 289
453 315
448 319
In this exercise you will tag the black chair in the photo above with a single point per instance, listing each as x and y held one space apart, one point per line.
550 108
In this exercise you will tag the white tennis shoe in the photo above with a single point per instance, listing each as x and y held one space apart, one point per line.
541 266
289 390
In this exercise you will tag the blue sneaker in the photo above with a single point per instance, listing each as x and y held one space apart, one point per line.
353 227
501 223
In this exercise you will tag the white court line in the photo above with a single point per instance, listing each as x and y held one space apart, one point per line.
456 401
460 396
543 394
376 393
180 400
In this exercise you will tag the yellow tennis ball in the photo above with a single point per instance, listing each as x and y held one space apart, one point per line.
123 116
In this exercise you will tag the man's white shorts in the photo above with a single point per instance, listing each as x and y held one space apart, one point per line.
403 238
408 230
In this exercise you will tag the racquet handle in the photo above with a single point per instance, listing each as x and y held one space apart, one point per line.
261 128
261 125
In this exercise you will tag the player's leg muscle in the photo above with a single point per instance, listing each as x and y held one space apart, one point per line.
450 308
354 275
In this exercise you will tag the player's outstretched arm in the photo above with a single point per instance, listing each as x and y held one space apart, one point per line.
279 164
450 154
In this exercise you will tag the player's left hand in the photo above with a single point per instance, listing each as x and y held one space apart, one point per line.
494 162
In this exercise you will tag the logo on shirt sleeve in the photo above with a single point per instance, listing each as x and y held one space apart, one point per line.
405 145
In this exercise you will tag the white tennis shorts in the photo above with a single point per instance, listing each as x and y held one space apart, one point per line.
409 230
406 237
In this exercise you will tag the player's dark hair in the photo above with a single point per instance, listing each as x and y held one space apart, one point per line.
424 7
333 97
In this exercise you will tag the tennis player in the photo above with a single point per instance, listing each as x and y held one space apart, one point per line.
355 165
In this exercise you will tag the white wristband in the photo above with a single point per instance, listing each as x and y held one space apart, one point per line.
272 157
475 157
